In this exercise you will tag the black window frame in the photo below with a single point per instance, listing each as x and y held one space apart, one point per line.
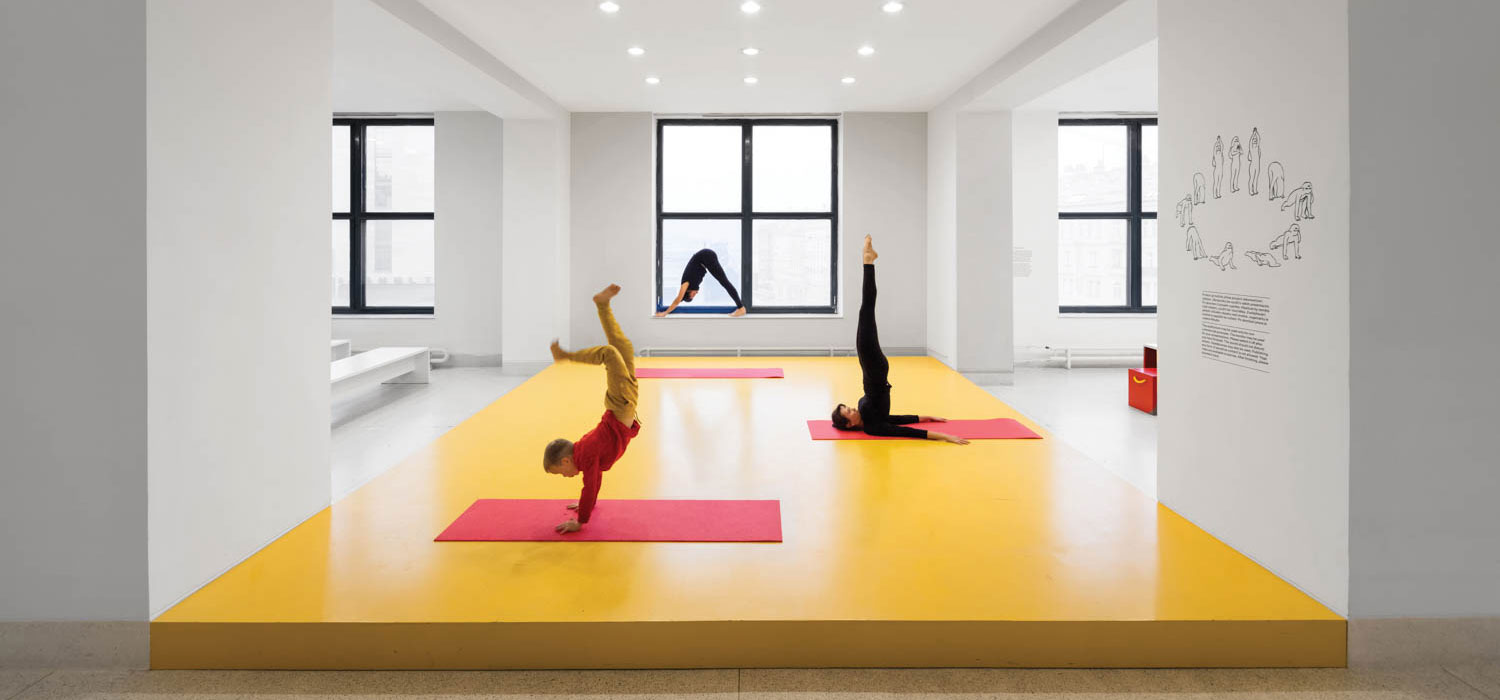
747 216
358 217
1133 216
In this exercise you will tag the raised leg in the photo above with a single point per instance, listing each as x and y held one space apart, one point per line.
717 270
618 359
867 336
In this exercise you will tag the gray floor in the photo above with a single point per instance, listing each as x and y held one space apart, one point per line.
1084 407
1468 683
374 430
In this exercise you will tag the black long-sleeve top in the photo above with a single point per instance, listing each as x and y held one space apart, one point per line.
876 419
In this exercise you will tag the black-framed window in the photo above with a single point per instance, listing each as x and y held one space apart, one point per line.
1107 205
763 194
384 248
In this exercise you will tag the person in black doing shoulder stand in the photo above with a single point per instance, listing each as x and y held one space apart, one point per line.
703 262
873 414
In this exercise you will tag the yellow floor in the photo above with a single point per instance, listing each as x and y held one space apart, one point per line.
896 553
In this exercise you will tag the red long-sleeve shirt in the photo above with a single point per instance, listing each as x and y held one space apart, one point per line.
595 453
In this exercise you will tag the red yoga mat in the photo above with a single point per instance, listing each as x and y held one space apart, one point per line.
532 520
988 429
708 373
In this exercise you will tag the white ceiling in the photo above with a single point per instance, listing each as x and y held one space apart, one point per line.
576 53
1126 84
383 64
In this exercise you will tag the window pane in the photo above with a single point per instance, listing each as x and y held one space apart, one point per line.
1148 262
680 238
1091 262
793 262
340 262
1091 169
399 168
399 263
793 168
701 168
341 169
1148 168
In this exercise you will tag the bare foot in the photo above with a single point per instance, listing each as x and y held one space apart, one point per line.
738 312
870 253
606 294
558 354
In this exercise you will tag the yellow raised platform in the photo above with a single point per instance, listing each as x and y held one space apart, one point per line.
896 553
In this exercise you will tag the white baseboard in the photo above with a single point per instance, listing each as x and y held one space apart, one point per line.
465 360
75 645
1411 641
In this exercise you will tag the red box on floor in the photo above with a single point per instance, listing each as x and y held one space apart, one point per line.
1143 389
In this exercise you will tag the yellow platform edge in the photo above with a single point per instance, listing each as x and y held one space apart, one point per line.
749 644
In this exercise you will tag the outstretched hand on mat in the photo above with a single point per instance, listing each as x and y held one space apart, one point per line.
934 435
931 419
567 527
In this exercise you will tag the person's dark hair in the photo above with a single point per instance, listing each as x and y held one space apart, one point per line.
839 421
687 297
556 450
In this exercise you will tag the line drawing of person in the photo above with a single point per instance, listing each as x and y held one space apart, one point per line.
1218 163
1225 258
1198 188
1185 212
1253 156
1300 200
1195 243
1290 240
1236 158
1263 259
1275 179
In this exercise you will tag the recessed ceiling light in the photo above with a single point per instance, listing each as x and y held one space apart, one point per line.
652 80
750 7
750 51
610 7
893 6
635 51
751 80
867 50
848 81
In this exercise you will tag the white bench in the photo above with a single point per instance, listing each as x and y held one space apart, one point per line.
339 349
401 365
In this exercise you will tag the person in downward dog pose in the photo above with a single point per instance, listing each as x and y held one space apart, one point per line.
873 412
704 262
599 449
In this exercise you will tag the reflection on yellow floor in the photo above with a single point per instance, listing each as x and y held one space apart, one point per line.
896 553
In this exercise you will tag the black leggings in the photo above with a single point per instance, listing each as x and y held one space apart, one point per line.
717 270
867 337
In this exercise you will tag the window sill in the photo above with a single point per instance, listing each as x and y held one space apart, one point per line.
1122 314
381 317
727 317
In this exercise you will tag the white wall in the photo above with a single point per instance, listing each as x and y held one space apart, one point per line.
535 235
1260 459
983 242
1423 474
73 296
613 235
942 240
466 322
969 306
1034 184
236 294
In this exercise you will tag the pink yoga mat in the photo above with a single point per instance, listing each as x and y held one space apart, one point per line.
708 373
989 429
532 520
